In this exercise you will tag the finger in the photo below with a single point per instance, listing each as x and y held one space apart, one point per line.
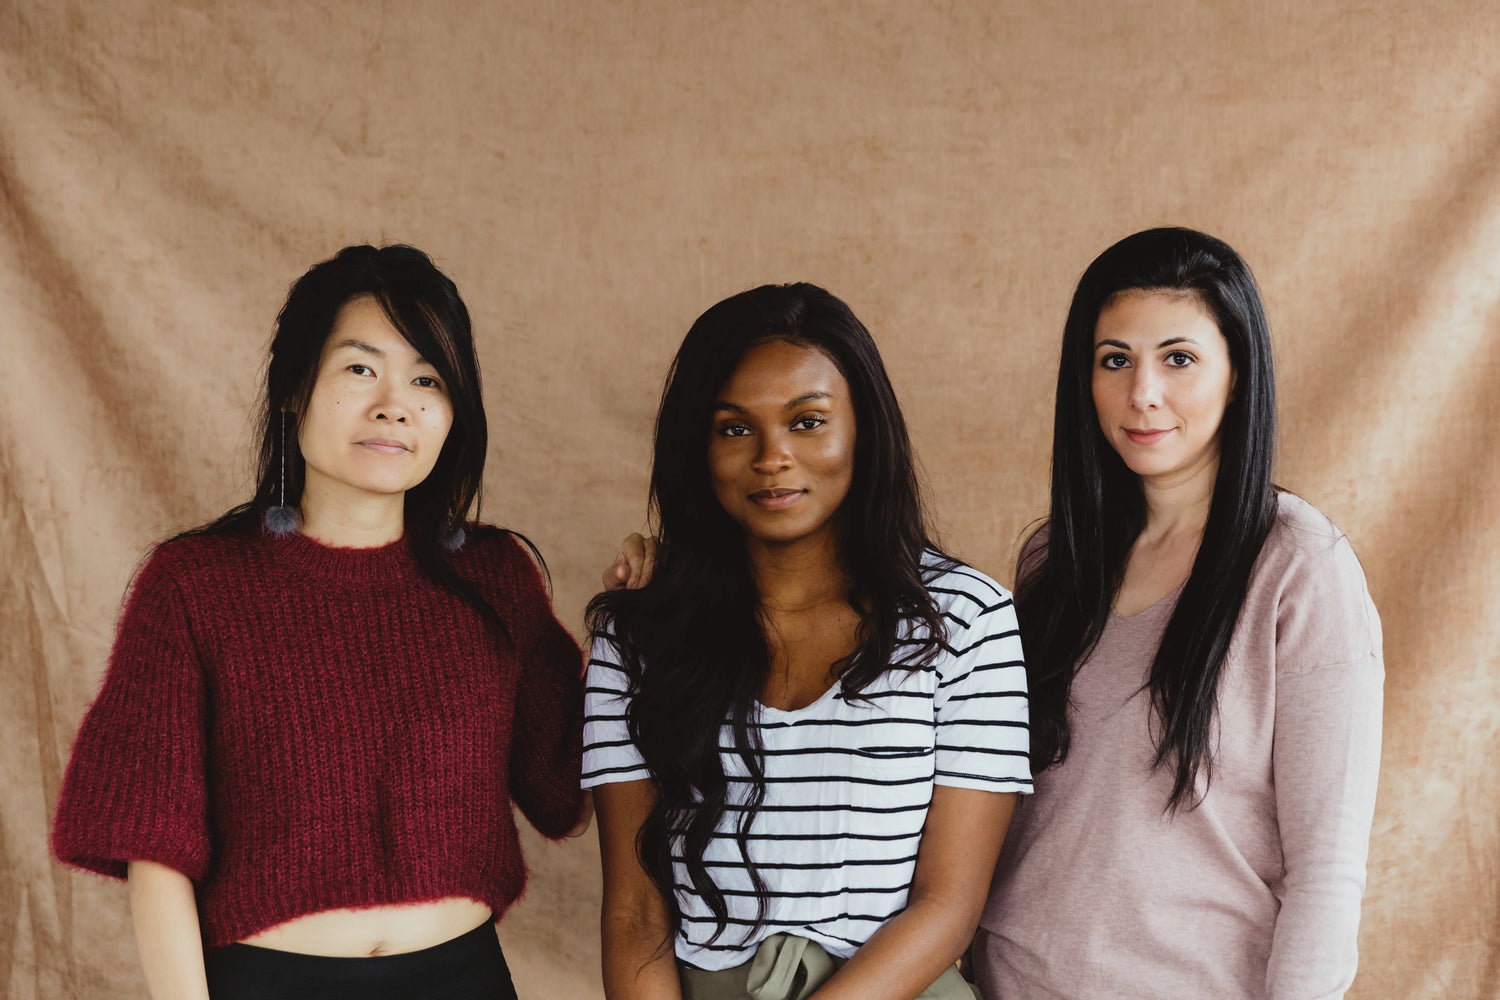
618 574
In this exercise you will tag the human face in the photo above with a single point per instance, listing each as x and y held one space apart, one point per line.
1162 379
781 448
378 413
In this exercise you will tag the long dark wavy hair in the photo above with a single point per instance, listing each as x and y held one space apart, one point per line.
1065 587
692 641
424 306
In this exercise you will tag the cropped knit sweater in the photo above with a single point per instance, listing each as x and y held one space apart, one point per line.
300 728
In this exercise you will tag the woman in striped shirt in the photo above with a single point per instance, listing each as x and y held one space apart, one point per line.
806 732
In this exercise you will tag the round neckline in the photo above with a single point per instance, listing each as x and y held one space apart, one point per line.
788 713
391 563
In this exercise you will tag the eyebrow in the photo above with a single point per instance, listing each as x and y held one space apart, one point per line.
360 345
792 404
1169 342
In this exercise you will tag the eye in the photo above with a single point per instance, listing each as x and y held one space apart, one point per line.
733 430
1179 359
359 369
1114 362
810 421
427 382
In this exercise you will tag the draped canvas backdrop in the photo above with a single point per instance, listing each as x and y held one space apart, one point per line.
594 175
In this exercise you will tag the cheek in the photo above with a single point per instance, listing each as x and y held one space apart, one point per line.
721 466
834 457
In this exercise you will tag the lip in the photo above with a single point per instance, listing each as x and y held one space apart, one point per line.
1147 436
385 446
777 498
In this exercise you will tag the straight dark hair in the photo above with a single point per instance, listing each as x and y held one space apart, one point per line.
1067 584
692 641
424 306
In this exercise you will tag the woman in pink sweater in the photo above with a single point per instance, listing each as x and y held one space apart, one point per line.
320 707
1204 665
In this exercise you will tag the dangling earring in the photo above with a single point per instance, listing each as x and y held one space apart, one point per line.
455 539
280 519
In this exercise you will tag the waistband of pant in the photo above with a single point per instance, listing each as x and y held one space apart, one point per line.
454 953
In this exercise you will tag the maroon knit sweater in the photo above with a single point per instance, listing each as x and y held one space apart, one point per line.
301 728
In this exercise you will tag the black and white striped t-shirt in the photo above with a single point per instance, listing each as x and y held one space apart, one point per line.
848 782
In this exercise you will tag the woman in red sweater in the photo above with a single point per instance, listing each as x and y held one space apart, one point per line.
320 707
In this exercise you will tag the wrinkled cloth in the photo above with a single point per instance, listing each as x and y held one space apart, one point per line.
788 967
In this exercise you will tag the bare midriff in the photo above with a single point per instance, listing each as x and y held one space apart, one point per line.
375 930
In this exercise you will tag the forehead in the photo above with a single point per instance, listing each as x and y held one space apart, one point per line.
363 321
777 371
1145 318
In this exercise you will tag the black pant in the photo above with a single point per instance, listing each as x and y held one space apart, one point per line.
469 967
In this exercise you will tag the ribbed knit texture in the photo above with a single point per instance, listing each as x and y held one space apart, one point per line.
300 728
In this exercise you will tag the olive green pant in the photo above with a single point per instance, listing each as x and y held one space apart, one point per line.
787 967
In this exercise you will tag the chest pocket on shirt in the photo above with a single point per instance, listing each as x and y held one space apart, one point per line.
891 763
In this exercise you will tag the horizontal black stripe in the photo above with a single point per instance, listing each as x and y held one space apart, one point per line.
995 607
1016 780
601 772
1007 723
984 582
835 807
879 720
809 866
985 694
978 603
831 919
684 889
988 750
989 638
979 669
833 836
832 779
607 744
870 753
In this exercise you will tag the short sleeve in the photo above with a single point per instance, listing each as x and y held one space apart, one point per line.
608 753
980 703
547 725
135 787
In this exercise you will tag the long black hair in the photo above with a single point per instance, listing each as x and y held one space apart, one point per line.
1066 586
692 641
424 306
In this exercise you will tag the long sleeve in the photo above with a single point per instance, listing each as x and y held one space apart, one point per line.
547 741
135 787
1325 764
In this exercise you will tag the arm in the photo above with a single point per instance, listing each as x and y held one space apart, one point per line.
547 742
959 849
167 934
639 960
1325 764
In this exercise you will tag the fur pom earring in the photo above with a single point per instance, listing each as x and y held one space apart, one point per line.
279 519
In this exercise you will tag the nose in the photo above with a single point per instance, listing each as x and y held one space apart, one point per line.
1145 389
772 456
389 406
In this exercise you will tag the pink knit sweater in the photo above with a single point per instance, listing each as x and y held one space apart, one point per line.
300 728
1256 892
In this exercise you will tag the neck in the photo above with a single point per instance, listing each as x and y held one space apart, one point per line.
362 521
798 575
1178 504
